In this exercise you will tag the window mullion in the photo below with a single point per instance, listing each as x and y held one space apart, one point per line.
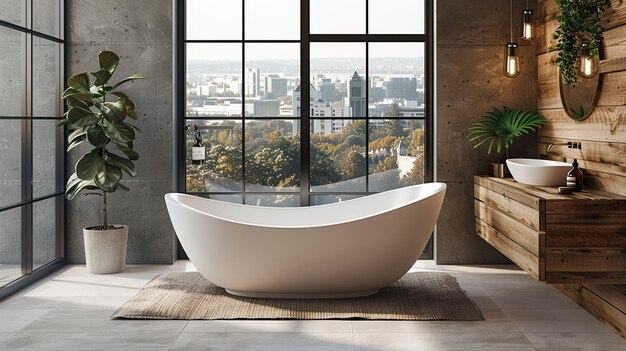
243 100
305 103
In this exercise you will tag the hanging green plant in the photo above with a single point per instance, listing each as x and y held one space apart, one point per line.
579 23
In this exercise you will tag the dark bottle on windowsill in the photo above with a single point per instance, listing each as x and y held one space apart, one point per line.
575 177
198 152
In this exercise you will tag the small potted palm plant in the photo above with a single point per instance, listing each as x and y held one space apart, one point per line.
102 125
498 128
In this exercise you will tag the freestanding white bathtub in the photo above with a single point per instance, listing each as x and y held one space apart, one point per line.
346 249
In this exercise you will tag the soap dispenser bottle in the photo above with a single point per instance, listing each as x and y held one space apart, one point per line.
575 177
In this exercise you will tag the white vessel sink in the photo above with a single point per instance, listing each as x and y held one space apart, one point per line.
538 172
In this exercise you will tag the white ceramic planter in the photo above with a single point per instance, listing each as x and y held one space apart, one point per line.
105 250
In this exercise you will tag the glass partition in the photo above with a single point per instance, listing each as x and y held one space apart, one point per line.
32 152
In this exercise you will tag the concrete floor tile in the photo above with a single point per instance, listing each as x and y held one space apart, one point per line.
105 325
71 310
86 341
442 341
577 341
434 327
269 326
265 341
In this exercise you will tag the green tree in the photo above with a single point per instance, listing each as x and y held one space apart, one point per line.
394 127
416 145
387 164
354 140
355 128
323 169
352 163
275 165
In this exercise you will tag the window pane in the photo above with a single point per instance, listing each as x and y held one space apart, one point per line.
329 199
337 17
272 155
272 73
234 198
396 16
338 80
10 245
47 17
46 77
13 11
44 232
338 157
222 169
213 83
272 19
12 71
213 19
45 139
282 200
396 72
396 153
10 162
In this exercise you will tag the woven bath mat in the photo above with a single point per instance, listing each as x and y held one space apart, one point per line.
188 295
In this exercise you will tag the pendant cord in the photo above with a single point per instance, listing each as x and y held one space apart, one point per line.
511 32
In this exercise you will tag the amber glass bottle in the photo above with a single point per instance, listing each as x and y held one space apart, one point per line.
575 177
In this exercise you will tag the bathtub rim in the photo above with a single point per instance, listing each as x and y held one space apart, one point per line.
438 187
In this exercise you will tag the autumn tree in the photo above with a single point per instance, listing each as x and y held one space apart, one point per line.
387 164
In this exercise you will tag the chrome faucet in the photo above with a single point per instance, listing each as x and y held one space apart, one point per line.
551 146
570 144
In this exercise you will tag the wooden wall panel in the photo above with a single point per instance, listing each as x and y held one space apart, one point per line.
603 139
605 124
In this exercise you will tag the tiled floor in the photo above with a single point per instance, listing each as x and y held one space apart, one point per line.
70 310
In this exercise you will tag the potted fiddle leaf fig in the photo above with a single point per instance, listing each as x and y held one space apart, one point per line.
98 116
498 128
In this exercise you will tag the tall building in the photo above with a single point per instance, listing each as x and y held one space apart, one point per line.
275 86
252 82
401 88
356 96
265 108
327 90
313 95
320 108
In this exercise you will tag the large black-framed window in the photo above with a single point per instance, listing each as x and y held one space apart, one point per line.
243 74
31 146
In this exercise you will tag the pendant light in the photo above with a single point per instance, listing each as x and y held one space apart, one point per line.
587 62
527 22
511 60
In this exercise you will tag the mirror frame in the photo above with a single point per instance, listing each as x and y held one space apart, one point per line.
594 103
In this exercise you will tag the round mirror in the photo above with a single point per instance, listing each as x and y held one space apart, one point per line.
580 99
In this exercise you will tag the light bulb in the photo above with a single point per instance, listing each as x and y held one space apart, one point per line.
527 25
587 63
511 61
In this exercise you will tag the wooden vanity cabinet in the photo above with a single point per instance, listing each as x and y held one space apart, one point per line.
578 238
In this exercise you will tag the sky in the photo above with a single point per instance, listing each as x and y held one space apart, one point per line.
291 51
280 20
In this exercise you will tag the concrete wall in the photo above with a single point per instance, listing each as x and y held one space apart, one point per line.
470 46
139 31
